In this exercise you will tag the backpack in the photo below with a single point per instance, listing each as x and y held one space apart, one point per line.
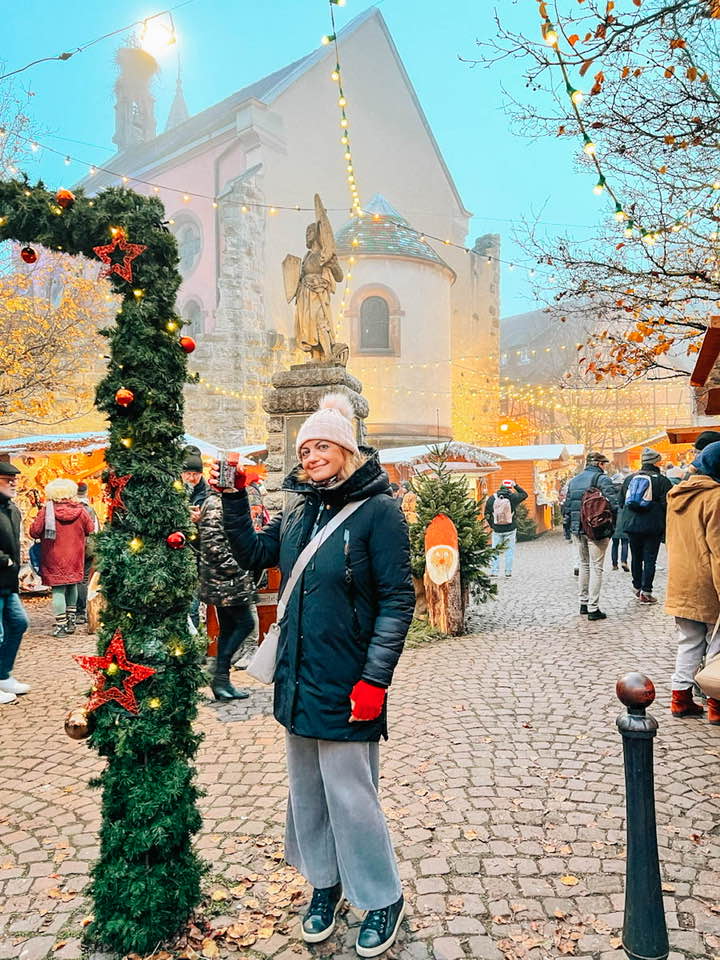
639 493
596 516
502 511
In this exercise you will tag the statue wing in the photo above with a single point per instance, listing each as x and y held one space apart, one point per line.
291 267
325 231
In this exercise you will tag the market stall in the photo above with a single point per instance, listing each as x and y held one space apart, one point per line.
473 463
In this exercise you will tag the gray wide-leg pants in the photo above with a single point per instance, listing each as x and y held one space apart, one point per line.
336 829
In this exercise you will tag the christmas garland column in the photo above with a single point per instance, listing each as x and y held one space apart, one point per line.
147 672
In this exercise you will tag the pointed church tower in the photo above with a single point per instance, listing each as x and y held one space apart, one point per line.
179 112
134 103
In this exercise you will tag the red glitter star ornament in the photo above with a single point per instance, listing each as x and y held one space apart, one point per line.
131 250
97 665
113 494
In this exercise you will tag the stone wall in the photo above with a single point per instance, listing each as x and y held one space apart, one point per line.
237 358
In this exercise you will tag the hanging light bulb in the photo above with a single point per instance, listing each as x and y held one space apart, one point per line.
620 214
599 186
550 34
575 95
628 231
588 146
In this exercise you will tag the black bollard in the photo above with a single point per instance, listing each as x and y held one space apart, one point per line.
644 928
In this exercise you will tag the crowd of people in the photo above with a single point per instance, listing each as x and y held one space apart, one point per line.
639 511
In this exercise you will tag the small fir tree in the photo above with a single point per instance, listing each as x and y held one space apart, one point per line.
526 526
439 491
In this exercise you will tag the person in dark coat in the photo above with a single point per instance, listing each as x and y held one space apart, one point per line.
230 589
341 637
591 553
13 619
645 527
198 490
620 544
62 526
504 535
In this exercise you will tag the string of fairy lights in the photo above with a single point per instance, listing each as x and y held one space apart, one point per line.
631 226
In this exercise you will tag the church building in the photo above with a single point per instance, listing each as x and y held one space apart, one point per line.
419 308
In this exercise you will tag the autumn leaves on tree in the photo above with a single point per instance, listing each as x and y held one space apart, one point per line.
632 91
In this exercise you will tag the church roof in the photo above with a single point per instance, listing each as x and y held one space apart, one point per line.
145 156
179 112
383 232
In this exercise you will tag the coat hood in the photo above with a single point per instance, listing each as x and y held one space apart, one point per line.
66 511
368 480
684 494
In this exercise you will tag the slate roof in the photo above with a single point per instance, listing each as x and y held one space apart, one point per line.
383 232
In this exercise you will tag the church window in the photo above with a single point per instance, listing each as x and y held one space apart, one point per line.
189 241
374 324
192 314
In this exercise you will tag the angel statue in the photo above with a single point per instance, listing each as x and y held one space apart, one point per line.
310 282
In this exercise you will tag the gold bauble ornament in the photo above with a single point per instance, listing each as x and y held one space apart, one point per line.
77 724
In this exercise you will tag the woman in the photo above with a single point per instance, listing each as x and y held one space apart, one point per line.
341 637
693 589
230 589
62 525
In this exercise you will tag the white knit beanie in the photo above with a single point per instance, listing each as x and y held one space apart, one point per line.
332 421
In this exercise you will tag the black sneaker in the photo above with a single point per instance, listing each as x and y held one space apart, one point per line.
583 609
319 920
597 615
379 929
576 572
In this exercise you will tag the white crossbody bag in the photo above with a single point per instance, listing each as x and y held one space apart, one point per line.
262 665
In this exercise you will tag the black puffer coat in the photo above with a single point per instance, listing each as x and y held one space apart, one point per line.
10 521
651 521
348 617
590 476
222 582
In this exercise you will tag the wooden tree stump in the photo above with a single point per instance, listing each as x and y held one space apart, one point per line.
446 609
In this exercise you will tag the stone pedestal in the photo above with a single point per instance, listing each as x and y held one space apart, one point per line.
294 395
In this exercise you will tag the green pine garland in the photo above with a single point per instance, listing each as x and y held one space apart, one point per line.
439 491
147 879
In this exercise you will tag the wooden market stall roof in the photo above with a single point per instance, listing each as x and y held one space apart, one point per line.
482 458
690 433
97 440
707 367
539 451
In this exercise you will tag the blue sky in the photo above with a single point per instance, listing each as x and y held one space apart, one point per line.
226 43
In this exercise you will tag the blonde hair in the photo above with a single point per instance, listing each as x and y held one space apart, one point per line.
61 489
352 462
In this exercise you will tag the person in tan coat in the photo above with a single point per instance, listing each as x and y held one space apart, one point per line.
693 590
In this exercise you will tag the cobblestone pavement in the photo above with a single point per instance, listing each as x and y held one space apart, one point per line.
502 781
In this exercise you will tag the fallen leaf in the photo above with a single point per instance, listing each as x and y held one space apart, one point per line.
615 943
668 888
219 894
560 914
59 945
8 865
86 921
470 834
568 880
210 948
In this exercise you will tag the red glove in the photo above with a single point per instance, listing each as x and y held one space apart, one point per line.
366 701
241 478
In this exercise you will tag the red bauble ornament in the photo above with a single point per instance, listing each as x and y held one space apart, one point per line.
28 255
66 198
98 665
188 344
113 494
124 397
176 540
131 250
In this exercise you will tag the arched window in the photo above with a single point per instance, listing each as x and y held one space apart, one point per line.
192 314
189 241
374 324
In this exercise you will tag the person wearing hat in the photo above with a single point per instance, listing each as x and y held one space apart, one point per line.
341 636
197 489
13 619
591 553
693 588
643 499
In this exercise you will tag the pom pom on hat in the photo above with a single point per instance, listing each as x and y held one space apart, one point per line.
332 421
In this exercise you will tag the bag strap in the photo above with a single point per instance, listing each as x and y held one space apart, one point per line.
311 549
